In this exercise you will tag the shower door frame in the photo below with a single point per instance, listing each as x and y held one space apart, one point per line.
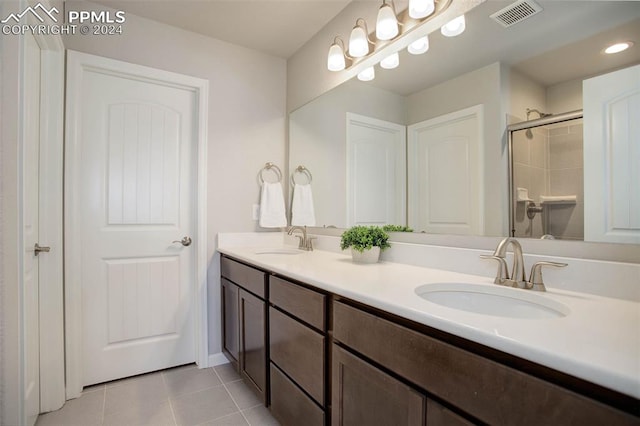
524 125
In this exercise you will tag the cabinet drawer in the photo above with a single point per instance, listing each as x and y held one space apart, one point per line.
300 302
290 405
245 276
299 352
489 391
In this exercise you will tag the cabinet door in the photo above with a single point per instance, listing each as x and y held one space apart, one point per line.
363 395
253 360
230 321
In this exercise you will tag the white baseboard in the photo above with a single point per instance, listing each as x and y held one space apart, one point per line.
217 359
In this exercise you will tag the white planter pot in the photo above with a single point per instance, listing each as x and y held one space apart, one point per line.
367 256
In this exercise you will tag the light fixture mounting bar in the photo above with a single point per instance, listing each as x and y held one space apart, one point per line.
406 25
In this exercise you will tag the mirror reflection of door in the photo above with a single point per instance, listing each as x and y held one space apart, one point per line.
376 172
446 189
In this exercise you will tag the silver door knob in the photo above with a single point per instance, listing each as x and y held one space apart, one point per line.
37 248
186 241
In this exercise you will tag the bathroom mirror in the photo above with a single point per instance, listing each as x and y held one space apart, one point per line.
538 63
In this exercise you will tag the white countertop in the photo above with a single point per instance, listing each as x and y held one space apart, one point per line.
598 341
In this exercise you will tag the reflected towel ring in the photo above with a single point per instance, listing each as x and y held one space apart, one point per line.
271 166
303 170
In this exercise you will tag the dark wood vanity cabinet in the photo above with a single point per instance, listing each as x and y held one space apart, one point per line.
475 387
298 344
244 320
319 359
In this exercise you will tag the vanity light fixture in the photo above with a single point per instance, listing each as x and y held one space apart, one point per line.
419 9
336 57
390 62
359 40
618 47
454 27
419 46
367 74
391 28
387 22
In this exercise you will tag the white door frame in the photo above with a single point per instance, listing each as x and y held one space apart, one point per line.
51 307
52 385
76 64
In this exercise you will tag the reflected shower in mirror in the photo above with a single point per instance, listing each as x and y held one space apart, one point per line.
547 185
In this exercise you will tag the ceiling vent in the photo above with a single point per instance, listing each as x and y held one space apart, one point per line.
516 12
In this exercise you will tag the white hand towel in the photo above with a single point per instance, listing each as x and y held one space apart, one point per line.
272 211
302 212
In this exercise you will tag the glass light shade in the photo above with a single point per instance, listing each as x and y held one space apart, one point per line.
454 27
367 75
335 59
387 23
358 43
419 46
390 62
419 9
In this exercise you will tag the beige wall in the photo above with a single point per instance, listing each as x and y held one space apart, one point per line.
247 119
9 226
525 93
565 97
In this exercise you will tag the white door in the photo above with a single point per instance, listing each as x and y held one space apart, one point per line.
612 157
445 174
31 164
136 132
376 171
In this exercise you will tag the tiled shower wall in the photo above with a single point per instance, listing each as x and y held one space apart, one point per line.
549 161
530 158
566 177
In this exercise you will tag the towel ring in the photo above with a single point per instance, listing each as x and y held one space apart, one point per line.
271 166
303 170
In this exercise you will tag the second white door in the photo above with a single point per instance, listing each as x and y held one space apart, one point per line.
136 189
445 174
376 172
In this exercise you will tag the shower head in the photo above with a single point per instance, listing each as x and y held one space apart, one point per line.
540 114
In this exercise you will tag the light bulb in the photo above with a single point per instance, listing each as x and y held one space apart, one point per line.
387 23
454 27
419 9
358 43
335 59
618 47
390 62
419 46
367 75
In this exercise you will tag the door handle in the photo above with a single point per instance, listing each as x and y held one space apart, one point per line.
186 241
37 248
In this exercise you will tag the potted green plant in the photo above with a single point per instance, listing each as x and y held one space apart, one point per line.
365 242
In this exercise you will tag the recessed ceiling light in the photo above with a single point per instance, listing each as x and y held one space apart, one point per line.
618 47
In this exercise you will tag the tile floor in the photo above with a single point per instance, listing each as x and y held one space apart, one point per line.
178 396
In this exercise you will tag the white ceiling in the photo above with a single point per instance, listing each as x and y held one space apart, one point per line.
562 42
275 27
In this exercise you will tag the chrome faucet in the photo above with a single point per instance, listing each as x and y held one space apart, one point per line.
517 278
305 241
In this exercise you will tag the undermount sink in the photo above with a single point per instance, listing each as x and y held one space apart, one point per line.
491 299
278 250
